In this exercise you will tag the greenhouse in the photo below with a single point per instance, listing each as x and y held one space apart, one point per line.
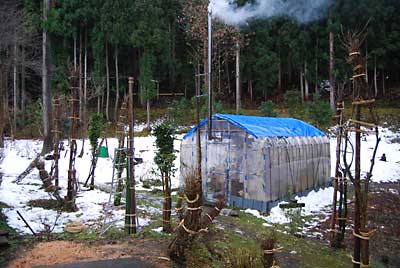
256 161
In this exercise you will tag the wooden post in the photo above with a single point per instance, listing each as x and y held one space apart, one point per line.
237 76
130 216
57 132
198 136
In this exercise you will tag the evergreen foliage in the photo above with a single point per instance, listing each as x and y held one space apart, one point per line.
146 82
164 40
165 156
96 125
179 112
293 103
267 108
319 112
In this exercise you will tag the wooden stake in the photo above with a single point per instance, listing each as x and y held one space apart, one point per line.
130 216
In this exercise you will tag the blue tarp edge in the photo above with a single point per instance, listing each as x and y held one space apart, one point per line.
266 126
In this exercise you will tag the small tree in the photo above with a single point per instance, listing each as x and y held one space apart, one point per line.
164 159
319 112
95 128
293 104
178 112
147 84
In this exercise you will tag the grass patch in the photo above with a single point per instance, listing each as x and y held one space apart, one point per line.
395 140
148 184
45 204
14 239
86 235
310 253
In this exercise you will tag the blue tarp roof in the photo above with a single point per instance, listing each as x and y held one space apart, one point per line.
258 126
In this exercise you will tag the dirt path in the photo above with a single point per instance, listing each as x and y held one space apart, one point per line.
59 252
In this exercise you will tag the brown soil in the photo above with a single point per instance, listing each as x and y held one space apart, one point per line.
59 252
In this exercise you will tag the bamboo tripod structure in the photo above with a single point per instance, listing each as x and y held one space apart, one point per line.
120 163
72 183
95 157
358 124
120 155
339 211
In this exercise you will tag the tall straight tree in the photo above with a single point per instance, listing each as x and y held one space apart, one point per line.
46 95
146 82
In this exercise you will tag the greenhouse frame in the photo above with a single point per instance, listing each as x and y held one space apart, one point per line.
254 162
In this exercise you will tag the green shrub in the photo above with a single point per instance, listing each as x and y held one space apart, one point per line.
96 125
179 112
267 108
319 112
293 102
296 221
165 155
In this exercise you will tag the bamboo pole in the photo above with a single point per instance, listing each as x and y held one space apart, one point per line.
57 132
130 215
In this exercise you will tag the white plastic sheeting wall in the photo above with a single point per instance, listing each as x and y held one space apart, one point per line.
240 166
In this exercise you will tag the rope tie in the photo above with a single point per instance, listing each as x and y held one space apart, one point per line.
194 200
189 208
179 209
359 263
47 179
130 215
357 67
354 53
208 215
358 75
217 209
50 187
364 236
273 251
187 230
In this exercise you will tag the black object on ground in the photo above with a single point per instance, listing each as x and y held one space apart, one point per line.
292 204
3 241
114 263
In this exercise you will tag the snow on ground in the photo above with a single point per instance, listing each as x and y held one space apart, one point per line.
383 171
18 155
